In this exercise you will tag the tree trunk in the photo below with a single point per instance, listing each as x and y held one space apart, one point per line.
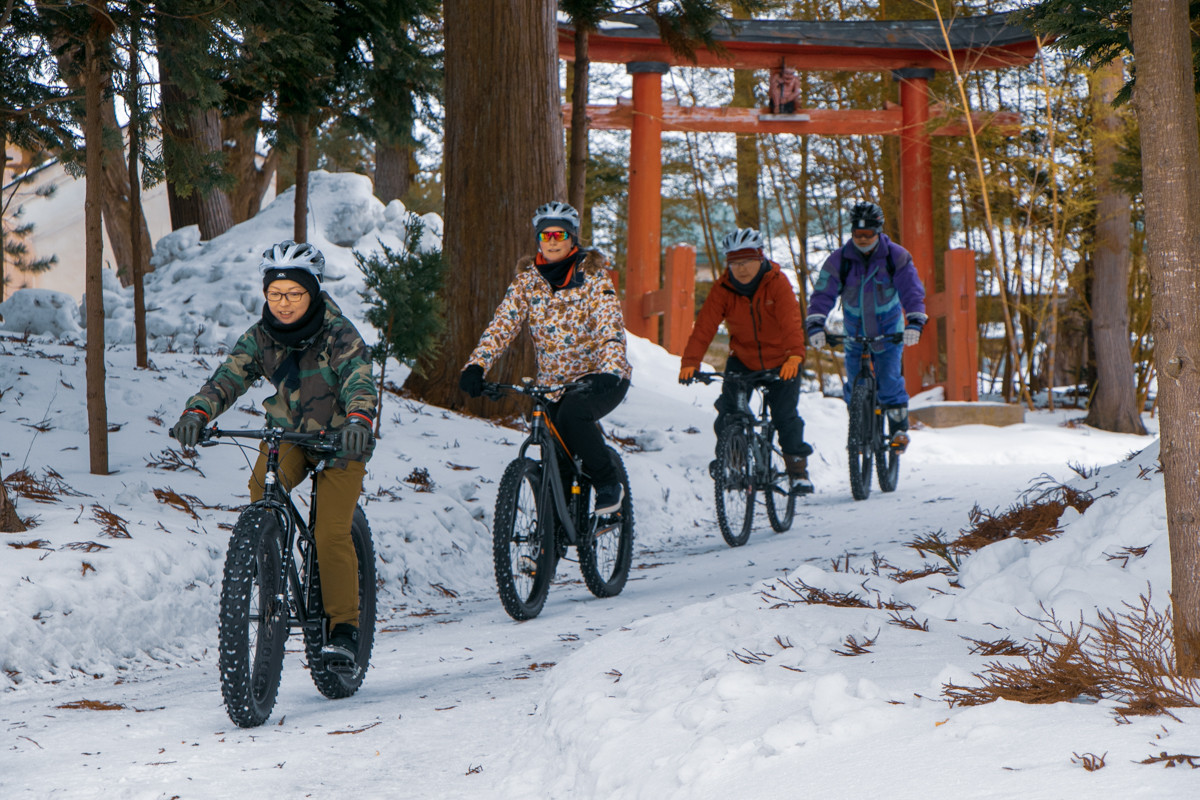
113 171
134 103
577 190
190 129
241 160
393 175
503 158
9 521
1114 403
1166 106
300 208
95 79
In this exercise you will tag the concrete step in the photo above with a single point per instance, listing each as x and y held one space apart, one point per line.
949 414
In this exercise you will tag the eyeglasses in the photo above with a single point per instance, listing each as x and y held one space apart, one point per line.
553 236
292 297
865 234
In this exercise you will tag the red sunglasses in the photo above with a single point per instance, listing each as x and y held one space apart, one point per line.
553 236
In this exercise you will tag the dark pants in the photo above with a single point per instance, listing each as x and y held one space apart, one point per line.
782 397
576 416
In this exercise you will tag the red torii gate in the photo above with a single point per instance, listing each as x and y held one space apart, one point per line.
911 50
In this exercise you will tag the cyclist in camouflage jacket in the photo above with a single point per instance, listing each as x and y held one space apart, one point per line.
321 371
570 306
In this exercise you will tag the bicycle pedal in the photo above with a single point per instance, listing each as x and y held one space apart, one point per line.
527 566
343 667
606 525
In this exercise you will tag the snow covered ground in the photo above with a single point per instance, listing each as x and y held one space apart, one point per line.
694 682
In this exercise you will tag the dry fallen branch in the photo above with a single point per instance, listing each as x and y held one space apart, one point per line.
999 647
803 593
174 461
1172 760
1089 761
50 488
112 525
1128 657
856 648
91 705
909 623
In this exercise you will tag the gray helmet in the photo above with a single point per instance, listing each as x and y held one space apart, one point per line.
866 216
556 213
742 239
290 255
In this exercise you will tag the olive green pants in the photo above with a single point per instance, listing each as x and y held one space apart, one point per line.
337 495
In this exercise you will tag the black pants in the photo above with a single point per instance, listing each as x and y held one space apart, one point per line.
576 416
782 397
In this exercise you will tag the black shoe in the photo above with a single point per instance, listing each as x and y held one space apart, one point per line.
608 499
342 645
797 472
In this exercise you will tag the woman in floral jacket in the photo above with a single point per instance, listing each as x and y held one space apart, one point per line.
570 306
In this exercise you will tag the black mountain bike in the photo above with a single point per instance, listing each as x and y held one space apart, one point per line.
867 439
543 506
749 461
272 586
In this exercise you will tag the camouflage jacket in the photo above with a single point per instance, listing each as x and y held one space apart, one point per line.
317 384
575 331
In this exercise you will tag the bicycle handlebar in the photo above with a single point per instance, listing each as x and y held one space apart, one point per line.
319 442
840 338
494 391
765 375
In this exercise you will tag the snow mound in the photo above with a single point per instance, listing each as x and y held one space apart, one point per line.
41 312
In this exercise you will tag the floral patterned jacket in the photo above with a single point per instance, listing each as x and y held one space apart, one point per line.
576 331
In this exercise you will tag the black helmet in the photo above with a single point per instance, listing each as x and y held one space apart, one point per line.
866 216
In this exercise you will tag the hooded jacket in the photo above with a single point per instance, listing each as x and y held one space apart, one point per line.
317 383
874 302
765 329
576 331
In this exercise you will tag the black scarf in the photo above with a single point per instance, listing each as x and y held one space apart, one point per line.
300 331
750 287
563 274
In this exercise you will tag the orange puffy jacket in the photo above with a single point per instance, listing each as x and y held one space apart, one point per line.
764 330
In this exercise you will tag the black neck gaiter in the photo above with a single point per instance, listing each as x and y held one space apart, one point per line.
750 287
301 330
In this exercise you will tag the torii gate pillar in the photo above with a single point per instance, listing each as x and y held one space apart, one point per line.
645 195
916 213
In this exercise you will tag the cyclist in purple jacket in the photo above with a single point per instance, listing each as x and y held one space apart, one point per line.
881 293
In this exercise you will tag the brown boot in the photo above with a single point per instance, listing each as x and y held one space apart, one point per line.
797 470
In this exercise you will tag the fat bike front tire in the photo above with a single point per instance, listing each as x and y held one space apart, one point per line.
860 442
253 625
522 547
733 486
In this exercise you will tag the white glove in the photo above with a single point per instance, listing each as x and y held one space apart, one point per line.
817 340
911 336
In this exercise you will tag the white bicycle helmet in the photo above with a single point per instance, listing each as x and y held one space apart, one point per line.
290 255
742 239
556 213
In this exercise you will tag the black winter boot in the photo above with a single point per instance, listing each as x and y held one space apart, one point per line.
797 470
342 645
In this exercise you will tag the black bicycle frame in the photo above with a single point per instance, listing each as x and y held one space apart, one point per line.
304 612
542 434
746 383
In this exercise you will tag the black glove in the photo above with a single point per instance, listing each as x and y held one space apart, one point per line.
601 382
356 437
187 430
471 380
